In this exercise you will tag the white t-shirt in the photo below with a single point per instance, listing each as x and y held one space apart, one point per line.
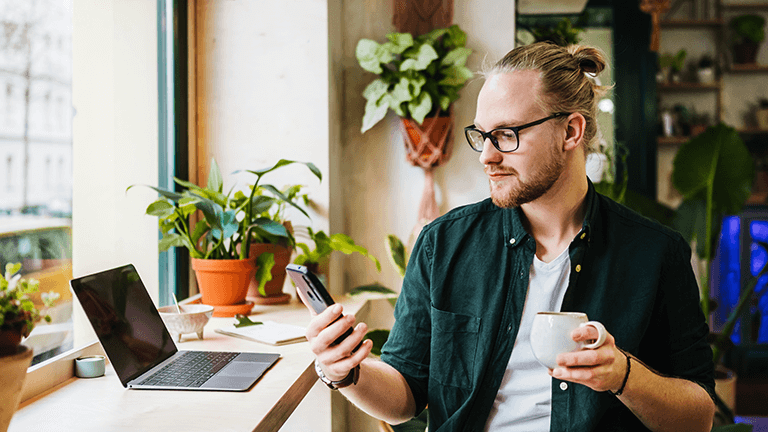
524 400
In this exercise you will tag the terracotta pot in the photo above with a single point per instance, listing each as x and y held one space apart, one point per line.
13 371
273 288
224 282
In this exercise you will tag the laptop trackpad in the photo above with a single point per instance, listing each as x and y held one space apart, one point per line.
244 369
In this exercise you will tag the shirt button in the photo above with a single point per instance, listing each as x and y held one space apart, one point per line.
511 241
578 268
509 329
563 386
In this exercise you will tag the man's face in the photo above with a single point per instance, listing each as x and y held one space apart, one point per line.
522 176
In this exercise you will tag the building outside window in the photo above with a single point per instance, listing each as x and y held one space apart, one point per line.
36 151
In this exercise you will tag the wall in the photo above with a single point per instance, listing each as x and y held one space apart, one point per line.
115 138
381 189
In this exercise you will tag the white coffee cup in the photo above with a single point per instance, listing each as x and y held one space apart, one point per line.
551 335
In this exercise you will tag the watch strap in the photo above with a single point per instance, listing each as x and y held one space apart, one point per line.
350 379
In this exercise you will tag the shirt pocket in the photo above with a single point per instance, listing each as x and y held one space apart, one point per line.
454 345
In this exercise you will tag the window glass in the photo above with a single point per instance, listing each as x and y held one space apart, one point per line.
36 157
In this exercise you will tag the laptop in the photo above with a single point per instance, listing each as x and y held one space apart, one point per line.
141 349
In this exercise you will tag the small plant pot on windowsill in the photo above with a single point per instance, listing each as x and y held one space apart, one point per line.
745 53
13 371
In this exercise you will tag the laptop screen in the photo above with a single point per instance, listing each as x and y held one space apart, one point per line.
125 320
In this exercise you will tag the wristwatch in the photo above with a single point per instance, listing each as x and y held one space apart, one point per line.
349 380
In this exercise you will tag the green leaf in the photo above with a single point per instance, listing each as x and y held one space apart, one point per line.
690 221
262 203
375 90
416 83
715 168
456 75
420 107
433 35
161 208
396 251
379 338
170 240
374 288
370 55
215 180
271 227
173 196
445 103
244 321
285 199
399 42
457 57
284 162
264 262
456 37
344 244
374 112
401 92
420 60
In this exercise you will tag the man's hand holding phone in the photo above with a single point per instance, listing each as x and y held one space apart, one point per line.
337 359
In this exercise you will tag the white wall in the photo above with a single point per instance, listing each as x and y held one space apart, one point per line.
115 139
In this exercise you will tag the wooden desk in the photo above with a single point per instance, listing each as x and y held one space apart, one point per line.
103 404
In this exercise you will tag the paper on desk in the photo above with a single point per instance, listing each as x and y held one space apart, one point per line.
269 332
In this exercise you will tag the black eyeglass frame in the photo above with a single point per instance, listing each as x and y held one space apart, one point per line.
515 129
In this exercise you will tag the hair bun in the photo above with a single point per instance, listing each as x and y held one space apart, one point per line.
590 60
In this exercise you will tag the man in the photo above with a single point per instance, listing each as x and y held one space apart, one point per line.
545 240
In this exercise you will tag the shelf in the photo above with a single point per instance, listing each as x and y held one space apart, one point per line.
673 140
753 131
748 68
745 6
688 86
677 23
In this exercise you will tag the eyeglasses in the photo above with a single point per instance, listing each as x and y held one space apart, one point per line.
504 140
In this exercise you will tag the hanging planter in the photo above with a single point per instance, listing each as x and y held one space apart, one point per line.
419 78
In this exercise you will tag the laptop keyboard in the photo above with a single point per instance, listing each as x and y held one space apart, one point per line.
191 369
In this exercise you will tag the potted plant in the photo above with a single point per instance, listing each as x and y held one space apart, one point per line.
316 259
761 114
222 266
18 316
748 33
271 232
670 66
706 70
419 77
564 33
714 173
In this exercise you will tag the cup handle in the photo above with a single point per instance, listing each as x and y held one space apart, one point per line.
601 334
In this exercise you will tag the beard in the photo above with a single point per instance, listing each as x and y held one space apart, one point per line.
541 181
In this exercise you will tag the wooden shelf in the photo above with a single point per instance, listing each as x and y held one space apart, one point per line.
745 6
748 68
677 23
753 131
673 140
688 86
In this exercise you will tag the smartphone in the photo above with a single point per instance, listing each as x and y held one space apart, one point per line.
313 291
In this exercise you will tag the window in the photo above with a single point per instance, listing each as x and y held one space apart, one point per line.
35 201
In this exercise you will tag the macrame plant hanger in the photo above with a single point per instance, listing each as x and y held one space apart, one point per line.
427 145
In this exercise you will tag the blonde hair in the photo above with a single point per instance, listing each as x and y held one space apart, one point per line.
567 77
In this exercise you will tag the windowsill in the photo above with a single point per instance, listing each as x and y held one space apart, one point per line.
102 403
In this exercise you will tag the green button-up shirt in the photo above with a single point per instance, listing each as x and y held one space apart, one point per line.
462 300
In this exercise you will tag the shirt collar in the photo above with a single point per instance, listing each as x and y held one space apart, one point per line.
515 234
